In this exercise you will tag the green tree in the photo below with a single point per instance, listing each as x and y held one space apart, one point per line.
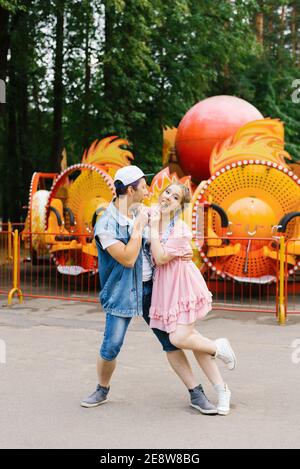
268 79
79 70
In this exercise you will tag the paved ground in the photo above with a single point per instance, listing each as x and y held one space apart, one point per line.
50 365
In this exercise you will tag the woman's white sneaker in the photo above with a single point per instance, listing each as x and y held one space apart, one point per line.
224 395
225 353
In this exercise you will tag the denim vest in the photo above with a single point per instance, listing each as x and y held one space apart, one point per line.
121 287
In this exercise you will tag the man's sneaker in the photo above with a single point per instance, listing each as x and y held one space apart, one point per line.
225 353
199 401
224 396
97 398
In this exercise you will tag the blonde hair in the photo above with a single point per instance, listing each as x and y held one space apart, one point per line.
186 195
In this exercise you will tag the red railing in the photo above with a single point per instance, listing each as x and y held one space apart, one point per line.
40 275
292 277
6 261
232 293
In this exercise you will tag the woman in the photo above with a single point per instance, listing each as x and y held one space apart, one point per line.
180 295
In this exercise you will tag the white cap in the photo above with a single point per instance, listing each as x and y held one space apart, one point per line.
128 174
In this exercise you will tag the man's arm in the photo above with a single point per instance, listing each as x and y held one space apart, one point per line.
126 254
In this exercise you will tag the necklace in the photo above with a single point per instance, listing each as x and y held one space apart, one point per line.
171 225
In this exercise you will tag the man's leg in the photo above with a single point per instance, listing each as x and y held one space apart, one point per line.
115 330
114 334
105 370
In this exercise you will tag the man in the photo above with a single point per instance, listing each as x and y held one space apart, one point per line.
125 271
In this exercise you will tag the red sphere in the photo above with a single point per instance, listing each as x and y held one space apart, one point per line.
209 122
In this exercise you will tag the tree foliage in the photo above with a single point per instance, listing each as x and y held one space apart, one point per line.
79 70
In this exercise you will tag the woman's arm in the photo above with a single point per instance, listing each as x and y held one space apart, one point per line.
158 252
180 248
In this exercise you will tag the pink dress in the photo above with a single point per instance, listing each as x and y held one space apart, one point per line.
180 294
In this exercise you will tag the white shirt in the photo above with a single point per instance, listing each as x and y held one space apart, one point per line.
107 240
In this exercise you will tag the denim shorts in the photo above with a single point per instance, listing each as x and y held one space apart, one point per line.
116 327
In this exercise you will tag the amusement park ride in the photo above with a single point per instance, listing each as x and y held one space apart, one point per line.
244 193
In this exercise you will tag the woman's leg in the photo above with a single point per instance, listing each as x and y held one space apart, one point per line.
202 348
185 336
180 364
209 367
211 370
176 358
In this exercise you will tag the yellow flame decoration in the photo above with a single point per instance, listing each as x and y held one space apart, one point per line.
159 184
161 181
262 139
295 167
108 151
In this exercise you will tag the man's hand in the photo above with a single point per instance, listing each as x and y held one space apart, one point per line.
135 209
155 216
143 217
